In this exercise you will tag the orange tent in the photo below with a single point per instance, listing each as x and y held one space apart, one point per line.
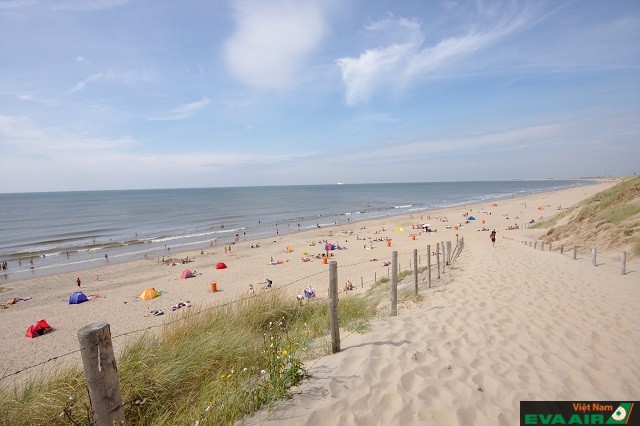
149 294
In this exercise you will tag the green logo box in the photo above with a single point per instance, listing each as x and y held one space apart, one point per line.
580 413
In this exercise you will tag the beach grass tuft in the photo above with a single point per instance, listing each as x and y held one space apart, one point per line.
213 366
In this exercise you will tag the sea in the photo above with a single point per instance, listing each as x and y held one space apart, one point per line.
48 233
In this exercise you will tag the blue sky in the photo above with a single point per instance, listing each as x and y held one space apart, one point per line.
119 94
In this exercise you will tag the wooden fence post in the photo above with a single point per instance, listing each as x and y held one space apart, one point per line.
394 283
361 283
444 255
623 266
428 265
102 374
438 258
593 256
575 252
561 248
333 306
542 246
448 252
535 245
549 246
415 270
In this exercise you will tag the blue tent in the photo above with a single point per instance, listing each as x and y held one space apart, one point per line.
77 297
472 218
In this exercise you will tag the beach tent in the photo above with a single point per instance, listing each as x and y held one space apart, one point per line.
472 218
77 297
221 265
329 246
187 274
149 294
399 229
37 329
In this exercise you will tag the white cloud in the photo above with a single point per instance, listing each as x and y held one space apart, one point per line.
183 111
400 62
272 39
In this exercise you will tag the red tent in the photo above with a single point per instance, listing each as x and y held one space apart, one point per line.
221 265
37 329
187 274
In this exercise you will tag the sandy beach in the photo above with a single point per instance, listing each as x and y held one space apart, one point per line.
505 324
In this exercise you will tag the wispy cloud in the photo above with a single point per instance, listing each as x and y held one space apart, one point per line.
407 58
29 149
16 4
82 5
183 111
272 39
23 135
36 99
126 76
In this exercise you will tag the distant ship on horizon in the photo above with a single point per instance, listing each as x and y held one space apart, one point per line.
340 183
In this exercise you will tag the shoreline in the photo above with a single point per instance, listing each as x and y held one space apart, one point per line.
194 247
119 284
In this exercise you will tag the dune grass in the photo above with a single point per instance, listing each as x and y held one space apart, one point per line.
611 216
212 366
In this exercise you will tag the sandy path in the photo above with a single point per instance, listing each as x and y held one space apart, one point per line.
515 324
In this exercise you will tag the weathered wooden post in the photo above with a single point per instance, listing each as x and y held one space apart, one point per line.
438 258
561 248
415 270
623 266
542 246
428 265
102 374
575 252
333 306
444 255
448 252
549 246
394 283
535 245
593 256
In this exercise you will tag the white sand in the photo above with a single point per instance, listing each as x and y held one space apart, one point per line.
515 322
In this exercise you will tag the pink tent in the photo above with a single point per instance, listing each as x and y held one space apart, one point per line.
186 274
221 265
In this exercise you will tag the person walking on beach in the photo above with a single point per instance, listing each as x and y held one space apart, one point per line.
493 237
78 281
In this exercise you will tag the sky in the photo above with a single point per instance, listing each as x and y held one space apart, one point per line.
129 94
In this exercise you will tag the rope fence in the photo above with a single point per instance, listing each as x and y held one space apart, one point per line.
95 340
575 250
